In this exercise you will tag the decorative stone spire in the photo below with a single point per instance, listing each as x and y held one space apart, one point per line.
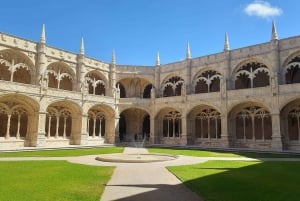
157 62
81 47
113 57
43 35
226 44
188 52
274 32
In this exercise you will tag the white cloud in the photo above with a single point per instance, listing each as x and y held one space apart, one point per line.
262 9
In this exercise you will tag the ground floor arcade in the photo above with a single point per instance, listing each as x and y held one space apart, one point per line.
27 122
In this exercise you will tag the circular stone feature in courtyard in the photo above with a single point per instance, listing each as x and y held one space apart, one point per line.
135 158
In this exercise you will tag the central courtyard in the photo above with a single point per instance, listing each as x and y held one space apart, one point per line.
74 174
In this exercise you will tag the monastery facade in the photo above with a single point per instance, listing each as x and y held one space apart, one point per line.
247 98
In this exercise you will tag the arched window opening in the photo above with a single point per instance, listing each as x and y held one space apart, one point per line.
58 122
208 81
22 75
252 75
172 125
4 71
122 90
122 125
96 124
172 87
13 121
15 67
294 124
96 84
147 91
59 77
208 124
292 74
253 123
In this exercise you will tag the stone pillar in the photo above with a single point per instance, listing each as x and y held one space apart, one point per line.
41 135
188 81
80 72
116 131
276 135
191 131
84 132
183 131
225 140
7 135
41 62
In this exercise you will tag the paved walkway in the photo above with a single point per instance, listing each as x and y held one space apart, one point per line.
144 181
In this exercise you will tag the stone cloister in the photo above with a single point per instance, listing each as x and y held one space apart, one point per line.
247 98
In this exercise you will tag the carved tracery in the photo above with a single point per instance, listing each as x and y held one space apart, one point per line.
13 120
292 71
59 77
96 85
294 123
58 122
208 81
96 123
208 124
172 87
252 75
172 124
254 123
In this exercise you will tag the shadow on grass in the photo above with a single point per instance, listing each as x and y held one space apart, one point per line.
243 181
192 151
224 181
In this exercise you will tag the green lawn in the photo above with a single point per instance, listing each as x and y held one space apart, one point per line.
202 153
51 180
242 181
64 152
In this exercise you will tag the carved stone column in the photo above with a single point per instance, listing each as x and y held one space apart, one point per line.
7 135
224 131
116 130
276 135
41 139
183 131
84 133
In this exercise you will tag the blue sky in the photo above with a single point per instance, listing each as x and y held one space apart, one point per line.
137 29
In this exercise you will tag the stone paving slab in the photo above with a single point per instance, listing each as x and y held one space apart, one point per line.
146 182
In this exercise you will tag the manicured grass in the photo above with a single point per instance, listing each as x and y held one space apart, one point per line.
202 153
51 180
241 180
190 152
63 152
